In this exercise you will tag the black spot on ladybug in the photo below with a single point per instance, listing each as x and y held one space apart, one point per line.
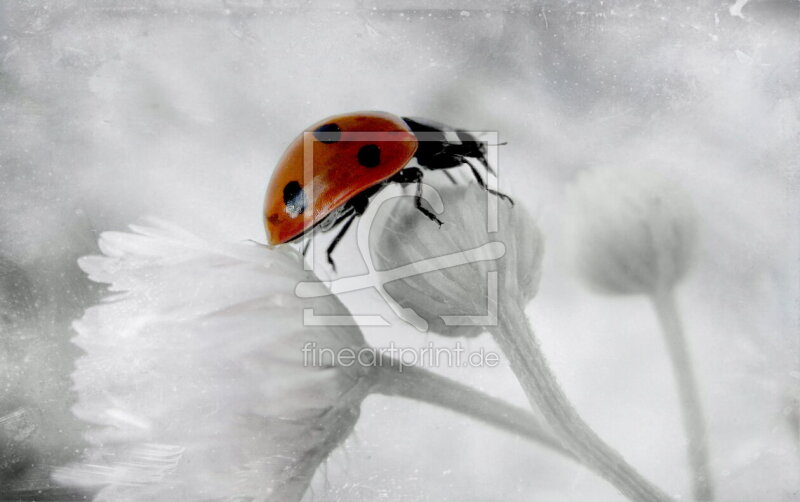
369 155
295 199
328 133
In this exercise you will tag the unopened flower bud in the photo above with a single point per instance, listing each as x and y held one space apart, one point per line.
463 270
631 230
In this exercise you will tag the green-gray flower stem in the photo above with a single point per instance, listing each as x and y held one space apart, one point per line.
667 311
394 379
516 339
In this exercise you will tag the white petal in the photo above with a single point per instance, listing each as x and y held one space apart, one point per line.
194 375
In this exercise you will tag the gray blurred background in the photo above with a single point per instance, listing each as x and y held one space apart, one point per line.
115 110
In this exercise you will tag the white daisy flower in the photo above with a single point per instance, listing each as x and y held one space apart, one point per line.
196 383
194 377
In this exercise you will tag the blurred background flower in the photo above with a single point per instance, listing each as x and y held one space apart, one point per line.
633 233
632 230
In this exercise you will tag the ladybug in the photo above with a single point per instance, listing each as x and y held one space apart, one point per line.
351 157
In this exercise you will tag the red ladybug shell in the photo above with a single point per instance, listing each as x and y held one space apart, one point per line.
346 155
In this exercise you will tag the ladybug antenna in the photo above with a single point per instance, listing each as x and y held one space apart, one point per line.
495 144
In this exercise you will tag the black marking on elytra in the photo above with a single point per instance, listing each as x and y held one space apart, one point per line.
295 199
369 155
328 133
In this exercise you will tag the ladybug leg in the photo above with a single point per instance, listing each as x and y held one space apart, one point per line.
335 241
483 184
486 165
414 175
356 207
450 177
420 207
